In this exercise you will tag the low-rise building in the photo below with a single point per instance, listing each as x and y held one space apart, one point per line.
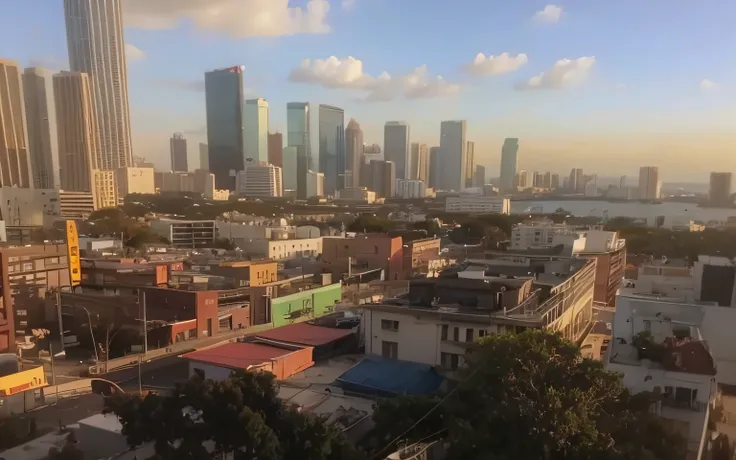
135 180
29 207
186 233
76 205
536 234
200 181
370 251
477 204
282 249
259 180
361 194
247 272
420 255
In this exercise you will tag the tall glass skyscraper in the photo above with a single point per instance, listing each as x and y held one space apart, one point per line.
332 159
509 159
396 147
453 155
297 136
256 129
224 101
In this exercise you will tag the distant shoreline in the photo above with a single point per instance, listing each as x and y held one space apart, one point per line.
687 200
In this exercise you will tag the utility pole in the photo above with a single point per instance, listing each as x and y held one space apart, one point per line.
145 327
58 311
140 376
53 372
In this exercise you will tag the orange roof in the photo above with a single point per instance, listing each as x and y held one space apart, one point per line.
305 334
236 355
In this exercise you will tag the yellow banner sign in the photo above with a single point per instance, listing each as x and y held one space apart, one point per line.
72 247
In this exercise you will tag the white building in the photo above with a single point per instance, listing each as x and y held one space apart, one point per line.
453 155
408 189
135 180
255 128
315 184
536 235
283 249
649 183
259 180
186 233
478 204
683 370
668 281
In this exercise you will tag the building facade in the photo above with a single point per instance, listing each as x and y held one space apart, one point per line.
276 149
289 170
419 162
396 139
178 150
719 190
259 180
410 189
255 128
96 42
332 161
478 204
43 142
383 180
104 189
649 184
479 178
470 164
16 170
434 167
315 182
204 156
353 154
298 124
135 180
225 142
509 164
186 233
453 155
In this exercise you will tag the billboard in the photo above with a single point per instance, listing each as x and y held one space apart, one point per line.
72 247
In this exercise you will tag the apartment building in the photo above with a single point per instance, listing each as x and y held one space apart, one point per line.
474 204
186 233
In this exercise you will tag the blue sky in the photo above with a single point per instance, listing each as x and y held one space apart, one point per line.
657 85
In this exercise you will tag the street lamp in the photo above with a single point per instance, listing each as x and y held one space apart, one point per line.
91 332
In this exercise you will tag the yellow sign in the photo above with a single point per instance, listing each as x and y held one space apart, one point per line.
72 247
22 381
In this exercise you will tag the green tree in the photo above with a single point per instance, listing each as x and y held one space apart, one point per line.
370 224
240 415
429 225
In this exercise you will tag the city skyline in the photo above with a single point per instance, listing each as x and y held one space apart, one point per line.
608 121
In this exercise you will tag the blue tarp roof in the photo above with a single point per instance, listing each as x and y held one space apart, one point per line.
388 377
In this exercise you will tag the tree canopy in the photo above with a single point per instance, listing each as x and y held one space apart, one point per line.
370 224
532 396
241 415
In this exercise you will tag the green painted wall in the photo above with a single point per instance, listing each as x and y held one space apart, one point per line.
285 310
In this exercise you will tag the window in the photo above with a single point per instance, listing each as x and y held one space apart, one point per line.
21 313
450 361
390 350
456 334
469 335
445 328
482 333
389 325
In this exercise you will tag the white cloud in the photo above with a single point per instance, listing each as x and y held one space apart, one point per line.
236 18
708 84
565 72
496 65
133 53
348 74
549 15
348 4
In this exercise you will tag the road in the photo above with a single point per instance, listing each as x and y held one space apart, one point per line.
163 372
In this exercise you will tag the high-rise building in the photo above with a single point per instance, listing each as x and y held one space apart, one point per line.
396 146
453 158
135 180
509 164
224 103
315 184
577 180
434 167
255 128
547 180
289 169
38 90
94 31
384 178
479 178
276 149
538 180
104 189
77 130
410 189
259 180
332 159
554 182
178 148
719 191
298 135
15 167
649 184
470 164
204 156
419 161
353 154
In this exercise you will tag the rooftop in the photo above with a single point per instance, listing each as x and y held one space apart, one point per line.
238 355
305 334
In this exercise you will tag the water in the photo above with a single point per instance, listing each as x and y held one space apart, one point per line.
633 209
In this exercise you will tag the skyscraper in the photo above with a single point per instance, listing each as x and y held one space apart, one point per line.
297 135
353 154
470 164
434 167
289 168
384 178
719 191
509 164
15 164
396 147
332 160
276 149
577 180
649 184
224 102
479 179
204 156
255 122
43 142
94 31
178 148
419 162
453 158
77 130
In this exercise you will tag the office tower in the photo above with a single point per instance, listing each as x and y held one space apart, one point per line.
297 135
255 129
719 191
649 185
419 161
554 182
521 180
410 189
479 178
353 154
135 180
538 180
622 182
396 146
289 169
453 159
315 184
224 103
77 131
204 156
178 149
38 91
434 167
384 178
104 189
332 147
469 164
94 31
15 165
259 180
547 180
577 180
276 149
509 164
